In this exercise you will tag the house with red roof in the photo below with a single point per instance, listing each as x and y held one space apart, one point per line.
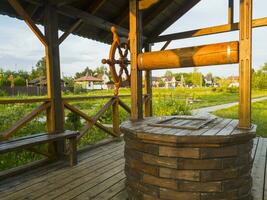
91 83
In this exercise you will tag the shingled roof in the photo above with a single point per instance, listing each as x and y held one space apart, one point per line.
98 15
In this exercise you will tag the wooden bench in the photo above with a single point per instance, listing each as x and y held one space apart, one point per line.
30 141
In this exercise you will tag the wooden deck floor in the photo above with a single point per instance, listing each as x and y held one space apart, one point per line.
100 175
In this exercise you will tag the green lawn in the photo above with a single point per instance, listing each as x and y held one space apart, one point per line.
259 116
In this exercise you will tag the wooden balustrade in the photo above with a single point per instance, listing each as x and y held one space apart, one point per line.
114 103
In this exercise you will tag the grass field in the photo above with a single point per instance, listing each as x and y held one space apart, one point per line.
259 116
165 102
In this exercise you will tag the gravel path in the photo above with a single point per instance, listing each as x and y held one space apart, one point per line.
207 110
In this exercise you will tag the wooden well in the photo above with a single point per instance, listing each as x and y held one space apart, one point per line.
186 158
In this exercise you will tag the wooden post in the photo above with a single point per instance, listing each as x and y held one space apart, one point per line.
148 88
136 75
73 151
245 63
231 12
116 117
55 120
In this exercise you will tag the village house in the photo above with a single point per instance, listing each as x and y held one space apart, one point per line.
169 82
93 83
234 81
156 81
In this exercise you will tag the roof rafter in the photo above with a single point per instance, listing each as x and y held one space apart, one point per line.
161 6
175 17
93 8
21 11
91 19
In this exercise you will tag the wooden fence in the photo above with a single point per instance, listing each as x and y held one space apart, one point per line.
29 91
113 102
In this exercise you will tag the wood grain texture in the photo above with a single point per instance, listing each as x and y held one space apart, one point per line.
99 161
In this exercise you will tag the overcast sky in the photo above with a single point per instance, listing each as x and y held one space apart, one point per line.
20 49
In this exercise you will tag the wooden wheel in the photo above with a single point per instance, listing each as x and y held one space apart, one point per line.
118 57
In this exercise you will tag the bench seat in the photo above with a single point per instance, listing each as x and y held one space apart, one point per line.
32 140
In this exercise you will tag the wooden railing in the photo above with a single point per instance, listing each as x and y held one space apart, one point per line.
113 101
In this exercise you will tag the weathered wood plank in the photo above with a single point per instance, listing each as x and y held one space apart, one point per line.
122 195
114 168
112 191
65 184
265 178
30 141
107 184
95 157
91 161
258 170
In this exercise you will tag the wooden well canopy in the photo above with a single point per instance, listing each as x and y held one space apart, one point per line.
93 19
143 21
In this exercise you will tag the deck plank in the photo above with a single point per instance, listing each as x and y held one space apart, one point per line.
113 191
258 170
122 195
45 170
100 175
65 174
265 178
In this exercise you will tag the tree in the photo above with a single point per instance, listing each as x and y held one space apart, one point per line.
39 70
3 79
168 73
86 71
19 81
264 67
100 70
197 78
69 81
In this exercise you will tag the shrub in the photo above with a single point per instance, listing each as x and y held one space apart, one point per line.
73 121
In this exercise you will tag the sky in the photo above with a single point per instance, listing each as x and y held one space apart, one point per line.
20 49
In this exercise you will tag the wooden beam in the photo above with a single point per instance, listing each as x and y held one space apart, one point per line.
204 55
93 8
63 2
148 88
91 121
136 75
22 101
158 9
208 31
116 117
125 106
91 19
25 120
55 114
20 10
165 45
145 4
230 11
245 56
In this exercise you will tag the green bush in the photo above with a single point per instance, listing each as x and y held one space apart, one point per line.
73 121
78 89
2 93
232 89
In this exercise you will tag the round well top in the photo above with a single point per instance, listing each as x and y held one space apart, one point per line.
188 130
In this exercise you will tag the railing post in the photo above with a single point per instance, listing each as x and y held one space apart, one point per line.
116 117
245 55
55 120
136 75
148 88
